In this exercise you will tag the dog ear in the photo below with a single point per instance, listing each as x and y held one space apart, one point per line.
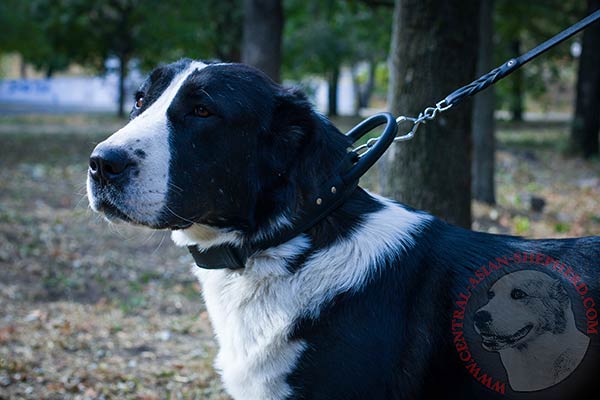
290 132
292 116
304 148
286 139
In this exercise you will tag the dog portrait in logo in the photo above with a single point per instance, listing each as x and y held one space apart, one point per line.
529 321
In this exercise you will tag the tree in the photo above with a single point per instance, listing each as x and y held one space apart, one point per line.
38 41
151 30
586 121
483 112
53 34
263 26
433 52
315 42
322 36
520 26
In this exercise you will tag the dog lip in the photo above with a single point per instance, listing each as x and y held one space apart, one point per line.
495 342
113 213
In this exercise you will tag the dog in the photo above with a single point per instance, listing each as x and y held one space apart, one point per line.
357 306
530 322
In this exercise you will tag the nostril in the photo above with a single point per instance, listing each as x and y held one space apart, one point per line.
93 165
94 168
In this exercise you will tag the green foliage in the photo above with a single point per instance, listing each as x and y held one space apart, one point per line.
530 23
560 227
522 225
51 34
320 36
23 33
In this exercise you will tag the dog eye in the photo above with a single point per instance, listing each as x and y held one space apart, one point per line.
201 111
518 294
491 295
139 102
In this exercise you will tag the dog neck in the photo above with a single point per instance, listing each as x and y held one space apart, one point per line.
216 248
545 360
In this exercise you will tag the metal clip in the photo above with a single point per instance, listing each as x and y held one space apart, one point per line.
427 115
364 148
410 134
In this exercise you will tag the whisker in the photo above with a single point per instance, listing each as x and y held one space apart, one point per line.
150 236
160 243
179 216
81 199
174 186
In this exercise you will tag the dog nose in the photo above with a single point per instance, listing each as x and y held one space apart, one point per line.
108 164
482 318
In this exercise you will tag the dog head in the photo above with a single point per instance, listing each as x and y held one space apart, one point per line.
219 145
522 306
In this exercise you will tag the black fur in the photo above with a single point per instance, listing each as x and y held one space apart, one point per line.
392 339
262 151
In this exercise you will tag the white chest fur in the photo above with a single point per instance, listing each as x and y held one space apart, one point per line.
253 311
252 323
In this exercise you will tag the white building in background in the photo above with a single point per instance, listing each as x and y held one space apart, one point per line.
67 93
90 94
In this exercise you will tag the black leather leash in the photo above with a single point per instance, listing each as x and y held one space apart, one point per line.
344 181
487 80
500 72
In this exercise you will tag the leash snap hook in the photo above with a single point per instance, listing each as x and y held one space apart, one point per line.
410 134
427 115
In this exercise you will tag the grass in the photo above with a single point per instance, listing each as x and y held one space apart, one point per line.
91 310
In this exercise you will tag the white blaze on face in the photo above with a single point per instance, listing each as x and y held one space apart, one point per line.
145 194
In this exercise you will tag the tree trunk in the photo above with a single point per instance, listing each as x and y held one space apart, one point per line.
433 52
123 60
367 91
332 92
22 68
517 95
229 29
50 71
356 88
483 112
263 26
586 122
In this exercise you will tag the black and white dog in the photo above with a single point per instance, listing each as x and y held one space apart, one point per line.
374 302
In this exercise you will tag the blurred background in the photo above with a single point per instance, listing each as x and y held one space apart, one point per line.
96 311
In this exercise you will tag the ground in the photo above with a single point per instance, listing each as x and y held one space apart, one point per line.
90 310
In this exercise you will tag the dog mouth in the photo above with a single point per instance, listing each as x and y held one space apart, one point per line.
113 213
496 342
108 201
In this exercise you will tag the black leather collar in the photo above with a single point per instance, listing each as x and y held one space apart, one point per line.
332 195
321 205
221 257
